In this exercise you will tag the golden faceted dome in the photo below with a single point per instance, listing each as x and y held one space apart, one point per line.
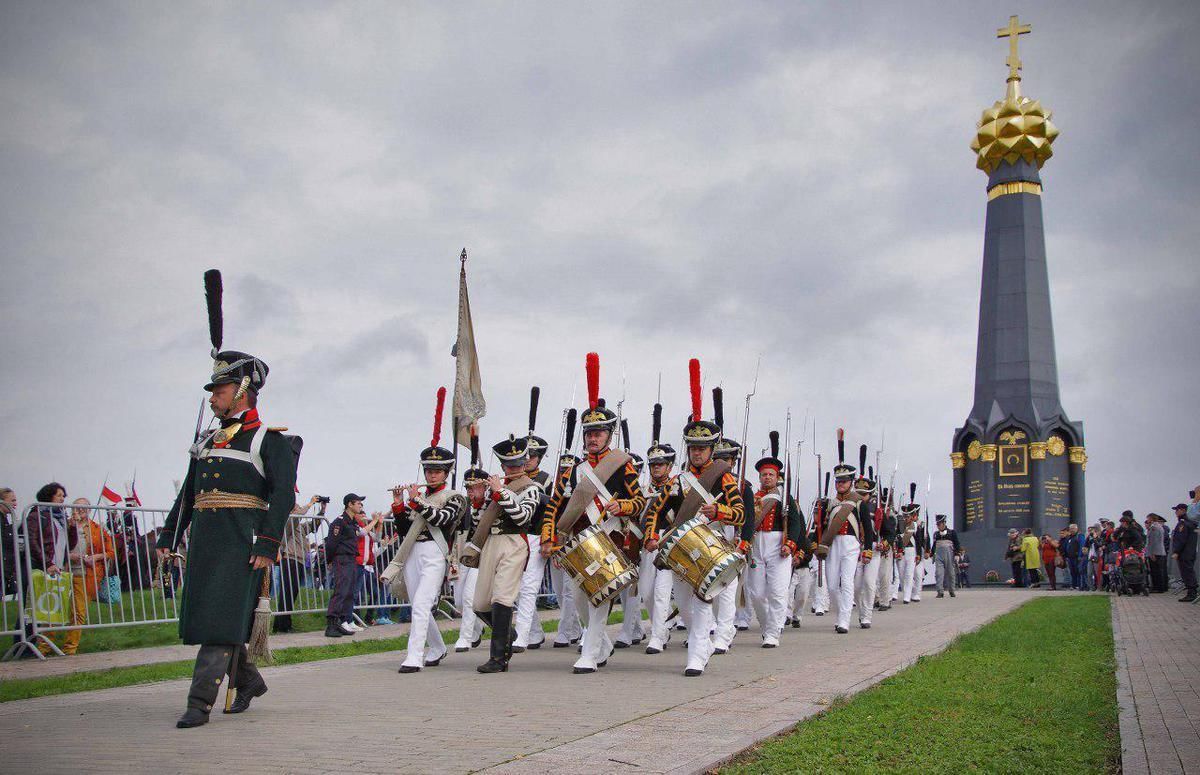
1013 129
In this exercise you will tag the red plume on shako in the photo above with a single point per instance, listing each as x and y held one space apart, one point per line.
435 456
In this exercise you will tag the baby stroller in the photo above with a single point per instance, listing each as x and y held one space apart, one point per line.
1134 574
1111 570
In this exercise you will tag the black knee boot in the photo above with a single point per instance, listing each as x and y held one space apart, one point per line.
212 662
502 633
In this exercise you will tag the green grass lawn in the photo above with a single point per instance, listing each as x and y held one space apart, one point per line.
23 689
1034 691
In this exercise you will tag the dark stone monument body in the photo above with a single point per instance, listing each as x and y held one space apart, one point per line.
1018 460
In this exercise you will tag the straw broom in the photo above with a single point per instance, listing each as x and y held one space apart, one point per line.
258 650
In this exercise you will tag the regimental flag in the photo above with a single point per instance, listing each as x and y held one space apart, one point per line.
469 405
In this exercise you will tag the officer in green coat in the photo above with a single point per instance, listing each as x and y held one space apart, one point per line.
235 501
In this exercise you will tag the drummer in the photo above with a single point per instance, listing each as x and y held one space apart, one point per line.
621 481
700 436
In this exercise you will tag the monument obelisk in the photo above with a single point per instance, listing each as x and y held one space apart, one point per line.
1018 460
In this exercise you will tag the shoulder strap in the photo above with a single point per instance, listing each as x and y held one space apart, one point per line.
697 495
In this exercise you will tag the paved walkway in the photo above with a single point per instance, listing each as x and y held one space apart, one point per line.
1157 642
356 714
103 660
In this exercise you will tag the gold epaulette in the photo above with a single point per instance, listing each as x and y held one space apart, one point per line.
278 428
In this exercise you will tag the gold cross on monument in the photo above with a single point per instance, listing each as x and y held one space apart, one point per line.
1011 32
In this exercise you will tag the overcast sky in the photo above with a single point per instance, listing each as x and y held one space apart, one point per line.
650 181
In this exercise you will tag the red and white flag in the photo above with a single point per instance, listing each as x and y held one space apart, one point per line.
109 495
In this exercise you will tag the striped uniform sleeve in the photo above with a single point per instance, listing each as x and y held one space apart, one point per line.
445 516
519 507
656 509
730 508
550 514
636 500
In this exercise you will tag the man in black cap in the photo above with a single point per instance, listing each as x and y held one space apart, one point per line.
1183 549
945 546
341 550
721 504
527 625
607 487
661 458
847 529
515 500
732 610
241 482
427 520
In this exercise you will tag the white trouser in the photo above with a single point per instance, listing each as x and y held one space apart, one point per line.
569 627
660 609
866 581
470 629
907 568
897 562
724 609
884 580
528 626
647 576
423 574
840 565
700 622
767 584
820 601
800 590
596 643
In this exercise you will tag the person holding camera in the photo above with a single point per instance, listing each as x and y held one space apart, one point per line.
341 550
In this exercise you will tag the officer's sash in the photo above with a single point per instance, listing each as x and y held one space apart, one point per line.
474 548
843 512
586 491
700 490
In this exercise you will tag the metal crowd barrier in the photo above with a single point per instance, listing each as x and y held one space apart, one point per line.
58 589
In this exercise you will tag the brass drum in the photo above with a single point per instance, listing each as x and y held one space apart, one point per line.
702 556
597 565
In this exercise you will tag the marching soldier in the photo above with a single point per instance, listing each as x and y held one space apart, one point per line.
884 547
605 470
570 631
910 545
866 578
723 504
803 583
731 610
945 546
528 626
661 458
241 482
847 527
475 479
503 530
775 541
631 632
427 522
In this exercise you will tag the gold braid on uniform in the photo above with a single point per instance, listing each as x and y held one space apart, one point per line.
215 499
550 515
636 500
656 508
732 511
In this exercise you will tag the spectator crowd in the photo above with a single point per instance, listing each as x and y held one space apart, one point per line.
1120 557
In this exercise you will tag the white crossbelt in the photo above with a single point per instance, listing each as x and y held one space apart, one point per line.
694 484
610 524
